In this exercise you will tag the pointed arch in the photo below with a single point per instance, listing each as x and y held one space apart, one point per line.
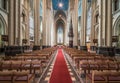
3 29
116 26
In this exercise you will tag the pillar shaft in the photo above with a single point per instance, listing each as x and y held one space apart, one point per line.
36 23
27 24
84 23
100 24
11 23
104 22
92 25
75 23
44 23
109 23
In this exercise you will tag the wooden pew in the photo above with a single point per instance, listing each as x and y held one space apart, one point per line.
16 77
6 76
103 77
23 77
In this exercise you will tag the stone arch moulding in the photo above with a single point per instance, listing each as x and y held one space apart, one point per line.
4 24
23 12
115 25
96 11
64 24
60 12
64 21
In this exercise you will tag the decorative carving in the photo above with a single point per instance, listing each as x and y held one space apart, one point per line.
114 38
49 3
4 38
24 41
72 2
95 40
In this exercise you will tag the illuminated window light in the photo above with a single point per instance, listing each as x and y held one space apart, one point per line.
60 15
60 5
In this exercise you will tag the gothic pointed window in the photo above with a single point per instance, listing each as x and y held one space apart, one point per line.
3 4
60 35
97 18
116 5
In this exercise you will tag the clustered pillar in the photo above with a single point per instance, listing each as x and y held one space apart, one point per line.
84 23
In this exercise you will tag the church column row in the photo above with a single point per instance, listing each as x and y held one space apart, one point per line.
104 20
15 22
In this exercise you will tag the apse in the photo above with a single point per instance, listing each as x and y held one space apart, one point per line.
60 4
60 31
60 35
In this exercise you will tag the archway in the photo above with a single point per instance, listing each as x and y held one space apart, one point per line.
117 30
60 31
2 31
60 24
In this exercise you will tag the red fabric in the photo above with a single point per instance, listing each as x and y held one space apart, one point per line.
60 73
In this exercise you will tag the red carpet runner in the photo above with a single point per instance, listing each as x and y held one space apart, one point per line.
60 73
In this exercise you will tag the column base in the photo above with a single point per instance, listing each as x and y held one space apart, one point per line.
76 47
45 46
117 51
106 51
93 48
36 47
84 48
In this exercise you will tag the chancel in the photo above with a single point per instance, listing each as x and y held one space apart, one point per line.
59 41
60 35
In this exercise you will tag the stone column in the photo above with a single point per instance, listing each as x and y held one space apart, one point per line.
16 21
75 23
109 23
19 41
55 29
36 22
44 23
104 22
100 23
50 27
92 24
27 24
67 28
47 27
84 23
52 33
11 23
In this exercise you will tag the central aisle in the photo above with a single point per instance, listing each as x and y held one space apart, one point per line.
60 73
